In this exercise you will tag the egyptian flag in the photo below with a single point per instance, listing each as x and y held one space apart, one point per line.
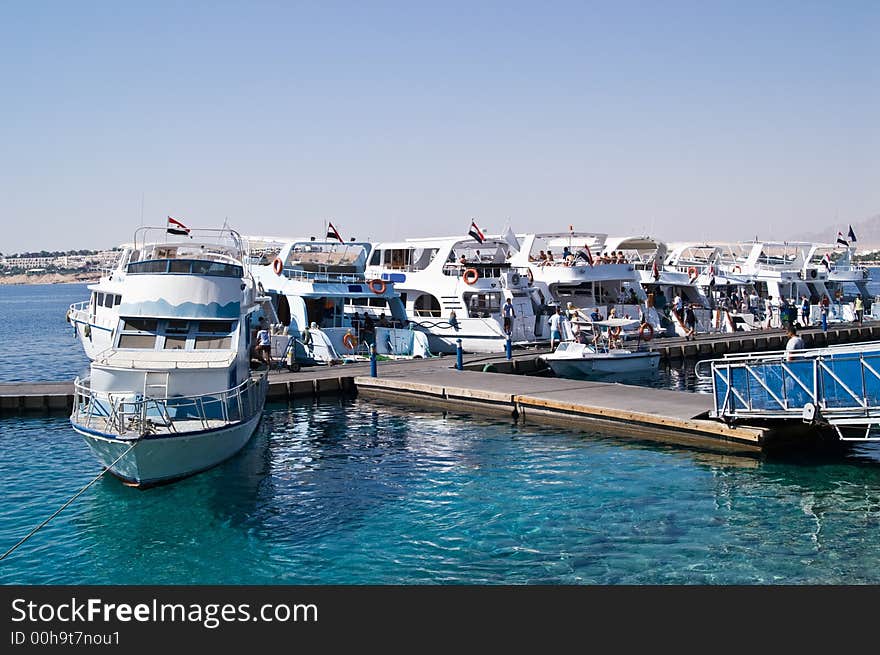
655 270
332 233
852 235
589 254
826 261
476 232
841 241
176 227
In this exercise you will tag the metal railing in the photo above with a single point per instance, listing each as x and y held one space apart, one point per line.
836 387
134 414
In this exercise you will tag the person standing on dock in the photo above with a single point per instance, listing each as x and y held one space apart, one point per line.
805 311
768 311
794 343
264 343
690 323
555 322
508 313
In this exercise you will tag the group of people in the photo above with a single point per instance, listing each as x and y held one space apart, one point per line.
570 258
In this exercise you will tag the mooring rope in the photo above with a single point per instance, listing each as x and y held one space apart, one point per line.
60 509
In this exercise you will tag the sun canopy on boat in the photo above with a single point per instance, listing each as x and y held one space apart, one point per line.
617 322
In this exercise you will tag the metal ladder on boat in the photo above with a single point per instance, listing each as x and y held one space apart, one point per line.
156 393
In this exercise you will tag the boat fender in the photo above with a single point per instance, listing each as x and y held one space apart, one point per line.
377 286
277 266
646 331
349 341
470 276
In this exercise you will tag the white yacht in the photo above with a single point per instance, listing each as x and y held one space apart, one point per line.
322 298
454 288
792 269
661 283
704 264
582 279
173 393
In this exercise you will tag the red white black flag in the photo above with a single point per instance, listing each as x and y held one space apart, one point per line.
176 227
332 233
476 232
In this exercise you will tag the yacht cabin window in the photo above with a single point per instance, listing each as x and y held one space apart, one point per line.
483 305
175 334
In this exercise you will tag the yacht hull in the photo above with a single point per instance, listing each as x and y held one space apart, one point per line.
164 458
604 364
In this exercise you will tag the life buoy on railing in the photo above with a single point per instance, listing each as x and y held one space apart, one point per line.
277 266
531 276
646 328
737 269
693 272
349 341
470 276
377 286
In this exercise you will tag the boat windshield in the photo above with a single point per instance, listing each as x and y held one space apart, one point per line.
185 267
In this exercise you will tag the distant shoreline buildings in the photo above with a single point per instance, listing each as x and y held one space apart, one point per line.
60 262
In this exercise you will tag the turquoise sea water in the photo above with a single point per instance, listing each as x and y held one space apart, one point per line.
36 342
357 492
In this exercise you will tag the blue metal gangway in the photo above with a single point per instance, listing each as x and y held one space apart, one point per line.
837 386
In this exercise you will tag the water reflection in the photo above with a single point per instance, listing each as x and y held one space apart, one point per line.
363 492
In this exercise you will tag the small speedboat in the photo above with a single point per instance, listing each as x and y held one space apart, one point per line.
605 355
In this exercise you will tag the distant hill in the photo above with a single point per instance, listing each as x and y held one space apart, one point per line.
867 234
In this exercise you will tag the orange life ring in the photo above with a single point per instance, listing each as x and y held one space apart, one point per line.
614 331
646 327
530 275
377 286
470 276
692 272
349 341
277 266
737 269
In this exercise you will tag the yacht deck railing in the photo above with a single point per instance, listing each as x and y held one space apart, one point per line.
134 414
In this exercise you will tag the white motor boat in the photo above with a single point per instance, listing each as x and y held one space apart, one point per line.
583 278
662 283
455 287
322 299
173 394
604 355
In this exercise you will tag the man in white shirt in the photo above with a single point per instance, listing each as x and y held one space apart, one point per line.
794 343
768 311
555 322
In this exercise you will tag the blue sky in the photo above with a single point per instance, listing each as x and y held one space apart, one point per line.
685 120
